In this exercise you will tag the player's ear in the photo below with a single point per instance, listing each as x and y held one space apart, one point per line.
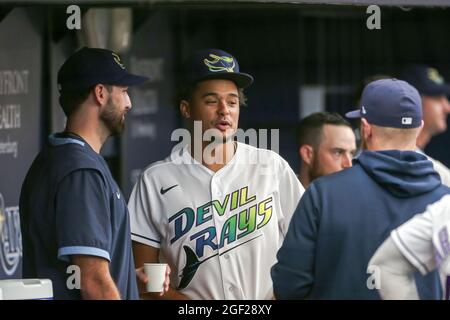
306 152
365 129
185 109
101 94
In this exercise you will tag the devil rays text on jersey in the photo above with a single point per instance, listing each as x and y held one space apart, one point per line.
239 225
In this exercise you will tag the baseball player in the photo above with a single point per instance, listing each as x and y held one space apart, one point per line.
421 244
217 223
327 144
435 106
343 218
72 212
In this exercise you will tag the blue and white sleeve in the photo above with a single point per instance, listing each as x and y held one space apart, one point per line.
83 216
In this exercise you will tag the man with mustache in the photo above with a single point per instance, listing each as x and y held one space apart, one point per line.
216 210
74 220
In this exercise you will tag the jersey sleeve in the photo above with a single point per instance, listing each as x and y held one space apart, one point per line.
414 240
291 190
143 227
82 215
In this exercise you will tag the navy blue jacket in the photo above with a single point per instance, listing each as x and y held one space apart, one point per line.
343 218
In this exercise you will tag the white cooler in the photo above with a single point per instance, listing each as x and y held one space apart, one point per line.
26 289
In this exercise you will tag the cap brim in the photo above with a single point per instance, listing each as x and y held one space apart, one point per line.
242 80
126 80
438 90
130 80
353 114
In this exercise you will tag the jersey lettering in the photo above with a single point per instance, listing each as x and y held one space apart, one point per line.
237 226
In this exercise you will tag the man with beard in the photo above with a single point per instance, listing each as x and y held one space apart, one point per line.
74 220
343 218
326 145
216 210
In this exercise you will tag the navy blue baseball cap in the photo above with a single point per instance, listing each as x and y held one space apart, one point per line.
211 64
390 103
91 66
426 80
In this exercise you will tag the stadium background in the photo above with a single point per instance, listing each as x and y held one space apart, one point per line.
304 57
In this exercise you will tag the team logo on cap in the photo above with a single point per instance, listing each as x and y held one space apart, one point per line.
117 60
407 120
434 76
220 63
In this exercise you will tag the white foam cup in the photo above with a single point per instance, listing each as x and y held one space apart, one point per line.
156 273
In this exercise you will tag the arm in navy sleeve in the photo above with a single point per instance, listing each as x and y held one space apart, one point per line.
83 216
293 274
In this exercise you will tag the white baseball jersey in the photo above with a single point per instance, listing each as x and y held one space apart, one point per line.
424 240
219 231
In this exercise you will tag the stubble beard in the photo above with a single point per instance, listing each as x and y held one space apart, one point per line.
114 123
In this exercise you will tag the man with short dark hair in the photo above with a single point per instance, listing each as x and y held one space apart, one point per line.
343 218
72 212
216 209
326 145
